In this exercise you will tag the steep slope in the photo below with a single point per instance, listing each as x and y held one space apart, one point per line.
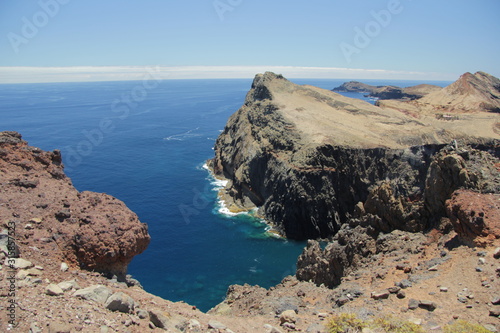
471 93
307 156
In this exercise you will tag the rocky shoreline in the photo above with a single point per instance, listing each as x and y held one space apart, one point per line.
404 205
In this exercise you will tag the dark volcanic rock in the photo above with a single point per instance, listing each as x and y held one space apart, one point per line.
308 157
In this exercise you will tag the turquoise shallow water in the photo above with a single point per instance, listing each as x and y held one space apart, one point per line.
147 147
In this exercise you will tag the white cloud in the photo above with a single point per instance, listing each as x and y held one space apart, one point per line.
122 73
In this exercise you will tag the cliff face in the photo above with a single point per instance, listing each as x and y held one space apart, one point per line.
91 230
310 159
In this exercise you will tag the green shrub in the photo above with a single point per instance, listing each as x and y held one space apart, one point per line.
394 325
345 323
349 323
462 326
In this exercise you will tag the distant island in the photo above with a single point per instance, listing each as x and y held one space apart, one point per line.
388 92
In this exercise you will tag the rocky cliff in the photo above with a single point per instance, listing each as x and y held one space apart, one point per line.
311 159
90 230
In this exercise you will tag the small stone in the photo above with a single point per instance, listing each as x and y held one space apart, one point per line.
22 274
28 226
214 324
401 294
271 329
96 293
496 253
413 304
193 325
495 300
469 306
53 290
443 253
404 284
482 254
456 317
35 220
290 326
479 269
68 285
18 263
380 295
159 318
428 305
394 290
433 268
142 314
120 302
288 316
443 289
462 299
323 315
495 312
64 267
470 296
342 301
481 261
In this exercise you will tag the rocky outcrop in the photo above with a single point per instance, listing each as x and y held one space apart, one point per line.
91 230
388 92
475 217
354 246
307 157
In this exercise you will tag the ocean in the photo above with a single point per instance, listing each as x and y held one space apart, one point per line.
147 145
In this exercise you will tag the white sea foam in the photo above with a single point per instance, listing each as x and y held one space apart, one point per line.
183 136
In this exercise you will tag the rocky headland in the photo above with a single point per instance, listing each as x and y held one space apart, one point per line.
401 207
310 160
399 196
388 92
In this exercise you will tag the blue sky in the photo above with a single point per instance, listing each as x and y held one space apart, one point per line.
420 38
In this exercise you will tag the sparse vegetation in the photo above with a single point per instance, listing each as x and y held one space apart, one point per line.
462 326
345 323
350 323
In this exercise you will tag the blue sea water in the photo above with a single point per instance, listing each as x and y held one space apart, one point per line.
147 146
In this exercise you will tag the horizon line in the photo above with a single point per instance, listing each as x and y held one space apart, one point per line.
61 74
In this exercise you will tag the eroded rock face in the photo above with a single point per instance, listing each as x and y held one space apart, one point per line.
307 157
92 230
475 216
353 247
